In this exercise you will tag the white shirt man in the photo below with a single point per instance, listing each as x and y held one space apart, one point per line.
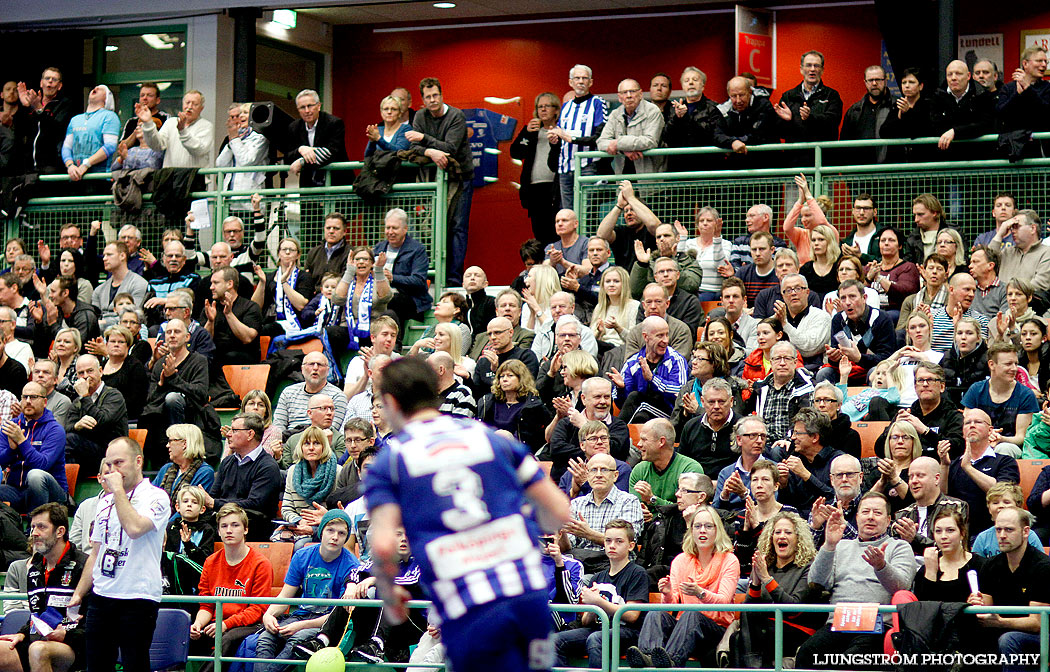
187 140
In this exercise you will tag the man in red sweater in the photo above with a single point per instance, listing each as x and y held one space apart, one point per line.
236 571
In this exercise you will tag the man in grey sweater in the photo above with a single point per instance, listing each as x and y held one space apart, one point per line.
870 568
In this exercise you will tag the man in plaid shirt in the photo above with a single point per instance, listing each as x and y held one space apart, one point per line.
603 503
649 384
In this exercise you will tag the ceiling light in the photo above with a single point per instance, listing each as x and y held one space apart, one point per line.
444 5
111 47
284 18
163 86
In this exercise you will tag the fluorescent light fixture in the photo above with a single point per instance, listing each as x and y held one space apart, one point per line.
160 41
502 101
492 150
163 86
490 180
444 5
111 47
284 18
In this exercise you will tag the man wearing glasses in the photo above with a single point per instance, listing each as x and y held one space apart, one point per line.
808 468
864 118
808 328
248 477
933 415
33 438
291 412
634 127
592 511
781 394
500 348
846 476
594 439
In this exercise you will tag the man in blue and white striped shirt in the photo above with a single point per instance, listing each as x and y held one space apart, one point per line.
579 124
651 378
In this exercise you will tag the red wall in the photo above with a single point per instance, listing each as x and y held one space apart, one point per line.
525 60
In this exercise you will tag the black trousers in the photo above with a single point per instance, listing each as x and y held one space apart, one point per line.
124 626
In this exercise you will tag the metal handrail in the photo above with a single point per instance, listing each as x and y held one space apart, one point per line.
778 610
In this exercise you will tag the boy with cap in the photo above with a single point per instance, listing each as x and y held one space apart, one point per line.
318 571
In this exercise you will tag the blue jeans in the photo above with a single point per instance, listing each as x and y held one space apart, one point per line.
571 642
41 487
1014 643
692 633
710 296
275 646
565 184
458 232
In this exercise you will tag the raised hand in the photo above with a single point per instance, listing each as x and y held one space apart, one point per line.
641 253
783 111
616 377
876 556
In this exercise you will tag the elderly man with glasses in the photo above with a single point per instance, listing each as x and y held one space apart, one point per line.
594 439
734 480
291 412
592 511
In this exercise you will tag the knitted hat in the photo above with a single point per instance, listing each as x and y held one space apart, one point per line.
333 514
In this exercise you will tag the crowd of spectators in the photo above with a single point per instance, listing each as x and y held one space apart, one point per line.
745 475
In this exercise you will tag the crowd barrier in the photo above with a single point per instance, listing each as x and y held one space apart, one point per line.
299 212
965 188
609 626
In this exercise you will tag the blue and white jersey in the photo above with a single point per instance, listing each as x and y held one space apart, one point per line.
461 488
580 120
485 130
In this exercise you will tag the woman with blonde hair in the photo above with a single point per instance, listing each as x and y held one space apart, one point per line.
616 312
919 348
706 572
812 211
541 284
820 272
779 575
64 352
950 246
186 465
282 293
902 446
573 367
513 404
390 135
309 480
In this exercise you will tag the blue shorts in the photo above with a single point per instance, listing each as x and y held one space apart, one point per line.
510 635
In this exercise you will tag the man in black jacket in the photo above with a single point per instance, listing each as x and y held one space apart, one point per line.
1024 103
317 139
49 116
864 118
691 123
934 416
812 110
962 111
97 416
749 121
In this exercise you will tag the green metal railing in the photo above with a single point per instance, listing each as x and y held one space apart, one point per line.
610 626
299 212
613 644
965 188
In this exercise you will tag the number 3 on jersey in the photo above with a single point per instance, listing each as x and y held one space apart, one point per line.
464 486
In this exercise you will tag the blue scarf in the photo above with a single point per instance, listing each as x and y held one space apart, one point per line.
314 488
285 310
360 323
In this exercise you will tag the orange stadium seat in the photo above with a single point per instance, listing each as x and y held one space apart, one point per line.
72 471
243 378
313 345
264 346
869 431
139 435
708 306
1029 473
